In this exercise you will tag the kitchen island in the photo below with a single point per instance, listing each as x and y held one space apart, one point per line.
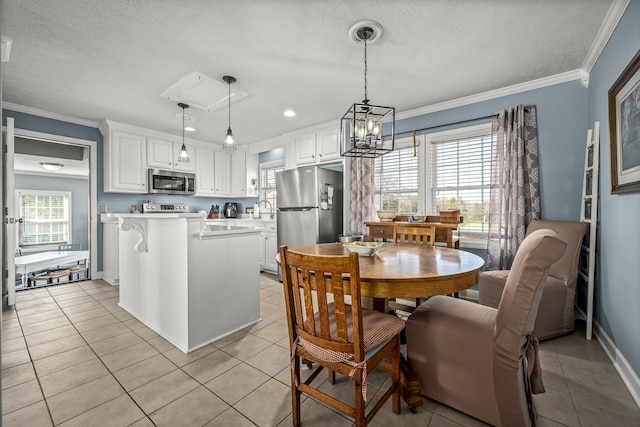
190 282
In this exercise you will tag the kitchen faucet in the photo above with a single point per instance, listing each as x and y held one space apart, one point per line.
270 207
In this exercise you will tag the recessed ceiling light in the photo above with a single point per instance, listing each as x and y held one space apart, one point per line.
190 129
289 113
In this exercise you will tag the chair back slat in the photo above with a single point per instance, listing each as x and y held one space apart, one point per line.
323 307
339 308
309 324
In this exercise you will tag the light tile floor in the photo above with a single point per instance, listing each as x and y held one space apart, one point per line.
72 357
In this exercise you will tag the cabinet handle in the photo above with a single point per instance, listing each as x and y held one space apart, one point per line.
320 155
313 157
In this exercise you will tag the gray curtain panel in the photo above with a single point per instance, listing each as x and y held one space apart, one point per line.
362 194
514 198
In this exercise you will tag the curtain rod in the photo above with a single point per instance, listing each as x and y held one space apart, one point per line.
528 107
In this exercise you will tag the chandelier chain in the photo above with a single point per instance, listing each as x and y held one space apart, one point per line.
366 96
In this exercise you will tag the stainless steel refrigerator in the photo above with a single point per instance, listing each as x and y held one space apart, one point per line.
309 202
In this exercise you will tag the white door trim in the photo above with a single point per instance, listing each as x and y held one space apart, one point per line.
93 186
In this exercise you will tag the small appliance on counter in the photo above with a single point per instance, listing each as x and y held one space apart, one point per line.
150 207
230 210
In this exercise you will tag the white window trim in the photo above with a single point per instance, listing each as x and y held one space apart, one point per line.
448 135
41 248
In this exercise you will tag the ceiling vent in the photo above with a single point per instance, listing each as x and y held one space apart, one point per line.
200 91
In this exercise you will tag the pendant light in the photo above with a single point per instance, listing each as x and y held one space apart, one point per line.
229 142
183 156
361 126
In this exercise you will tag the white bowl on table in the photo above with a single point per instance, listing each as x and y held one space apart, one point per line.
386 215
363 248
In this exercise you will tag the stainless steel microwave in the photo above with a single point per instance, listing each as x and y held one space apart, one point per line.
171 182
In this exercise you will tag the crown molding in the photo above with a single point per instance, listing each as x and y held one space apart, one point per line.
48 114
614 14
485 96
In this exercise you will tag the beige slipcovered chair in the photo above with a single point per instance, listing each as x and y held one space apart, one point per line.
556 312
481 360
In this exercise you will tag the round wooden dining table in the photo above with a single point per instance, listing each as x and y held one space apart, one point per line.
408 271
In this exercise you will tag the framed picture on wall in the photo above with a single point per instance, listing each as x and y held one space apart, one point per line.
624 129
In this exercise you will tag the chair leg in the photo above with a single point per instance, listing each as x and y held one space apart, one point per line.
295 393
360 403
395 377
332 376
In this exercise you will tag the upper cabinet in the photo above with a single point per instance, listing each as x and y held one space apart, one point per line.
305 149
319 146
328 145
205 179
222 178
124 153
163 154
239 173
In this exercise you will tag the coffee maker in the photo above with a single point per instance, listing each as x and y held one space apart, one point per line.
230 210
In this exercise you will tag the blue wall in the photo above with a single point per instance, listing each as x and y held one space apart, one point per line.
79 189
617 290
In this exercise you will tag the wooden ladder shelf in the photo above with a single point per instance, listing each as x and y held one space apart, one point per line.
589 215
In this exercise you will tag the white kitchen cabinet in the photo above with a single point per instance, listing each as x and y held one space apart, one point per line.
321 146
124 159
222 177
328 146
163 154
238 173
305 149
205 167
270 248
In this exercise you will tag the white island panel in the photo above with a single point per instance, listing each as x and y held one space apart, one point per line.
154 282
224 297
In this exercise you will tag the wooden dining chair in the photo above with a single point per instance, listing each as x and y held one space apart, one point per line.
416 235
325 329
407 234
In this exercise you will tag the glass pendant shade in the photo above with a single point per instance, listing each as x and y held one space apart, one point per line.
361 131
229 141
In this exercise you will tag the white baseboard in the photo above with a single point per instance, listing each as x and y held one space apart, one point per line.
626 372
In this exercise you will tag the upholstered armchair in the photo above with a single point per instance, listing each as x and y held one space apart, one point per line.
556 312
482 360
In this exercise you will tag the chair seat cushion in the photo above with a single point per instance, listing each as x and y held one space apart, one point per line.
377 328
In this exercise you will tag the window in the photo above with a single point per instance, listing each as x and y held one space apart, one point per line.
450 171
460 174
397 181
46 217
268 181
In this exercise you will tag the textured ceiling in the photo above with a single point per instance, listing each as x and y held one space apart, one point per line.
98 59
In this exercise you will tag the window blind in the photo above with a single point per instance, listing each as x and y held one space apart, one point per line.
45 218
460 173
396 175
